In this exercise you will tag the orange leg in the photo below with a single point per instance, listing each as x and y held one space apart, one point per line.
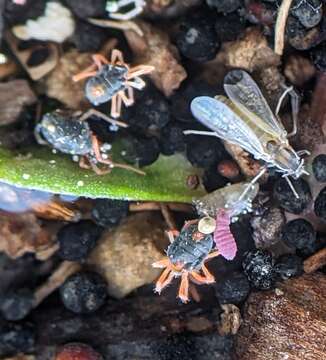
99 171
117 57
83 163
161 263
164 280
139 70
137 83
114 106
100 115
184 288
84 74
210 277
212 255
99 60
126 100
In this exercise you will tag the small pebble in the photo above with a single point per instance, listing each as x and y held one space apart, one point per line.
300 235
288 266
225 6
318 55
319 167
285 198
16 305
77 351
16 338
258 265
197 39
320 204
228 169
107 212
172 139
77 240
232 289
84 292
308 12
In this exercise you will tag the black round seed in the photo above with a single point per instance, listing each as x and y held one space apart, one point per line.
225 6
319 167
88 37
172 139
288 266
320 204
84 292
300 235
318 55
308 12
86 9
180 101
151 111
232 289
205 151
16 305
212 180
287 200
258 265
229 27
197 39
141 151
16 338
77 240
107 212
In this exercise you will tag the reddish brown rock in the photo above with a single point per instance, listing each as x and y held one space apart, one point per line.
289 323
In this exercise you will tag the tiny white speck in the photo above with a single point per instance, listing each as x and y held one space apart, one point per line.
104 156
54 151
26 176
80 183
75 158
106 147
114 127
123 152
52 161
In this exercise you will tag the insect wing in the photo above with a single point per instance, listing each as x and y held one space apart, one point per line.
246 95
226 124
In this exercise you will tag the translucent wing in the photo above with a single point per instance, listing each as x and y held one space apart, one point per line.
226 124
246 95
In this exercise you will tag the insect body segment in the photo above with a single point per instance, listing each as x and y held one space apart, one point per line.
113 80
68 133
186 257
247 121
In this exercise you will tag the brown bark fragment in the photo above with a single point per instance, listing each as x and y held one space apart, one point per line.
315 262
154 48
290 324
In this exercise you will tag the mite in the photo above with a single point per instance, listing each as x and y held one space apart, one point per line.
112 80
113 6
246 120
69 133
186 257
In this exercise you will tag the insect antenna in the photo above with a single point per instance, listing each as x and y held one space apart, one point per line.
291 187
198 132
252 182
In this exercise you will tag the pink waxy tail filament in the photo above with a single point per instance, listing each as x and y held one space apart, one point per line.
223 237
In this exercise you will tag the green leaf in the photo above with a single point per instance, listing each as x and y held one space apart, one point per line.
40 169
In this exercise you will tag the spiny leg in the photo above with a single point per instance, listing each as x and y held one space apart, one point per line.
99 171
83 163
138 83
140 70
164 280
161 264
102 116
116 56
210 277
200 279
184 287
85 74
126 100
114 107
